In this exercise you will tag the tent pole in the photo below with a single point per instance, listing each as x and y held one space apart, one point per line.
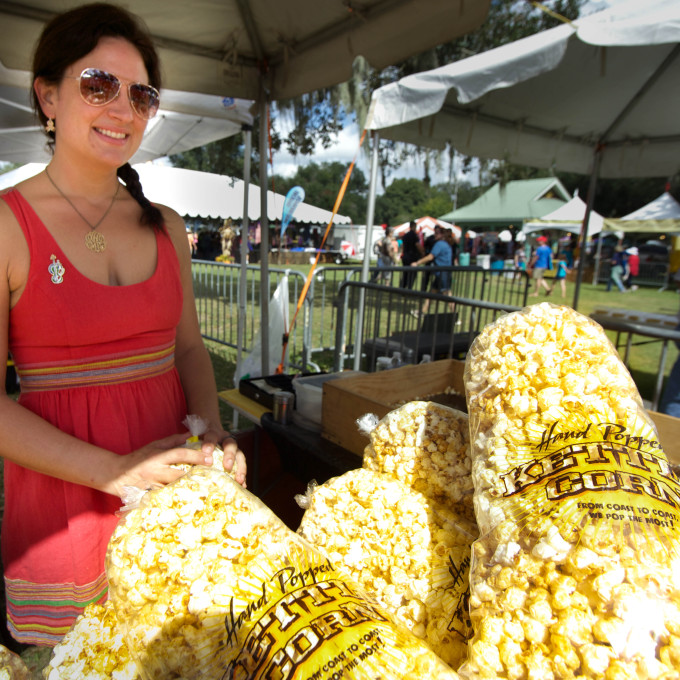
264 234
598 258
245 224
370 210
583 241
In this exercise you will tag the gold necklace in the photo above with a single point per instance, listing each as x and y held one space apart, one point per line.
93 239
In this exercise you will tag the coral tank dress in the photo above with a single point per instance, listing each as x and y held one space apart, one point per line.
97 362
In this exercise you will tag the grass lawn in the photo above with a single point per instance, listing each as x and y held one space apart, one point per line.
644 358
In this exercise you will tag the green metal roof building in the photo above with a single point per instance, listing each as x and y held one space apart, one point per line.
502 207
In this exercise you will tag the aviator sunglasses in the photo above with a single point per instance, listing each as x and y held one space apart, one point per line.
98 88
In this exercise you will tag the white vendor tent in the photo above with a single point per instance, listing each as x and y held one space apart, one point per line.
597 96
548 100
568 217
662 215
206 194
200 194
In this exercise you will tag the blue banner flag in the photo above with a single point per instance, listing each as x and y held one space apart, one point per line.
295 196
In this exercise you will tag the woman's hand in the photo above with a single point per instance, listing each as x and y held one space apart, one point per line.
149 466
234 459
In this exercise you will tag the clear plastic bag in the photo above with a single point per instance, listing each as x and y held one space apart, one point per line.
210 584
409 552
426 445
576 573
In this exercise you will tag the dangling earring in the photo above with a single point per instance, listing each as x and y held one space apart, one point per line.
50 125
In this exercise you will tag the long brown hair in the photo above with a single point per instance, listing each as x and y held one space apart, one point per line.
70 36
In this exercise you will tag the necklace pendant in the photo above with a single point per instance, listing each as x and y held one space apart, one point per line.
95 242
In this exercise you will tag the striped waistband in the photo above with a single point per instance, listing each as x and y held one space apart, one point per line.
97 372
42 613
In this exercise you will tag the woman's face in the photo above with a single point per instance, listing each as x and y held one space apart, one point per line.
110 133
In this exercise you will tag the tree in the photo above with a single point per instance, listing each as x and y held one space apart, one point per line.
322 183
398 203
618 197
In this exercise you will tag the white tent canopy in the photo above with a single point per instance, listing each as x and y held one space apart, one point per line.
568 217
547 100
425 226
200 194
662 215
206 194
228 47
185 121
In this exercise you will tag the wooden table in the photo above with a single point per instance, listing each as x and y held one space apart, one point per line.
244 406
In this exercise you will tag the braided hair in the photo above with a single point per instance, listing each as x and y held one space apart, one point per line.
70 36
151 215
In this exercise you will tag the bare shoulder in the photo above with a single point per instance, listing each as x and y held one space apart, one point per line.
14 254
176 229
9 226
173 222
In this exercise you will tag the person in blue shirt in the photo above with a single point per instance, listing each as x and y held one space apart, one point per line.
541 261
441 255
561 276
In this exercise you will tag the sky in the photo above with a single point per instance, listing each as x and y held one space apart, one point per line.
345 149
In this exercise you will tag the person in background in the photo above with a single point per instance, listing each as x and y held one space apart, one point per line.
439 256
191 237
619 270
633 268
428 243
412 250
520 258
387 250
541 260
561 277
99 315
453 243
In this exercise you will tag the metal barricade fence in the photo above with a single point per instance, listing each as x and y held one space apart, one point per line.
313 339
216 289
390 321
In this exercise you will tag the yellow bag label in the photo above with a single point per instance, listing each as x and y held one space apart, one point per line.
311 624
606 472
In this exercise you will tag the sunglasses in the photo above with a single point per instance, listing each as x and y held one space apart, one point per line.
98 88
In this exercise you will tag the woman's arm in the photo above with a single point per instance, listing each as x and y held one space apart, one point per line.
193 361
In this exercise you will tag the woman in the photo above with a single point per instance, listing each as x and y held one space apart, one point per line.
99 315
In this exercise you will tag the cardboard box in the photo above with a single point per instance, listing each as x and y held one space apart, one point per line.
345 400
668 428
